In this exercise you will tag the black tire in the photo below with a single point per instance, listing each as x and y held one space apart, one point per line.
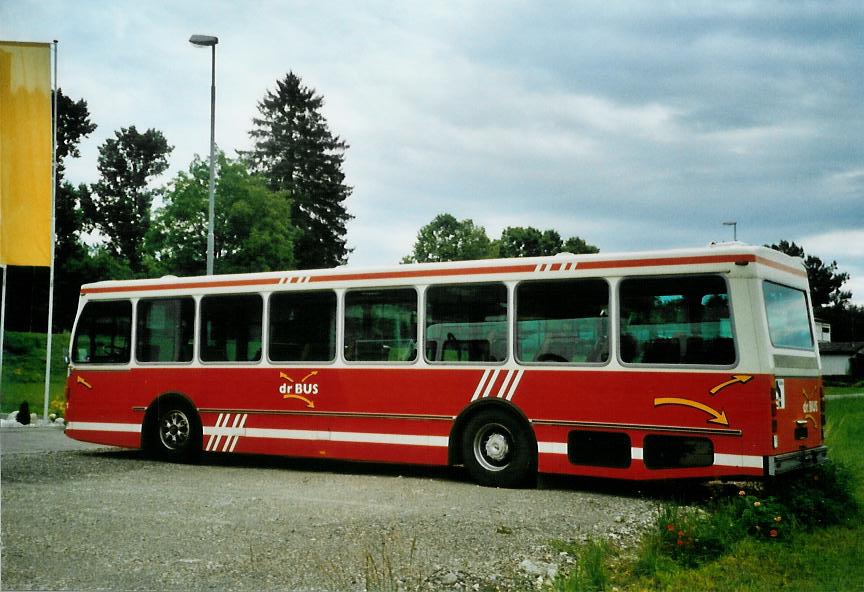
175 435
498 449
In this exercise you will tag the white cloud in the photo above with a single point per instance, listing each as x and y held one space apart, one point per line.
836 243
633 126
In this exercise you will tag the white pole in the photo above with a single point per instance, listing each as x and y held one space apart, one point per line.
51 268
2 322
212 187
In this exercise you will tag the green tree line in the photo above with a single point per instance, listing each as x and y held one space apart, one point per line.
279 205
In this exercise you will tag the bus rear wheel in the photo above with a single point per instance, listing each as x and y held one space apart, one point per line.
498 450
176 434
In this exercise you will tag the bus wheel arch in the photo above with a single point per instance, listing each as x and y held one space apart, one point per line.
495 442
172 429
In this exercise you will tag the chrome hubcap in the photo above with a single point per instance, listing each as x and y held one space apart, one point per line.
492 447
174 429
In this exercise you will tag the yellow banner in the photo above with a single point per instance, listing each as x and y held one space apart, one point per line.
25 153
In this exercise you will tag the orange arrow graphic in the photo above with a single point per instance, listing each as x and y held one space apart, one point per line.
736 378
717 416
284 376
80 380
813 419
311 374
309 403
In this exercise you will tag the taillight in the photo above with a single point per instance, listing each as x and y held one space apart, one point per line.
66 392
774 402
822 411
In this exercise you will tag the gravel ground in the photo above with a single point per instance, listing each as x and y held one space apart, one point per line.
104 519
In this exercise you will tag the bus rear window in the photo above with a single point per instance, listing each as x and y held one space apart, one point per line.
103 334
788 316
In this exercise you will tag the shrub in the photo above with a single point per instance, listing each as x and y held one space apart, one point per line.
820 497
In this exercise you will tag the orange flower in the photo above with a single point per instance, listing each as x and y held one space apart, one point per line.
742 493
773 533
670 527
680 542
681 533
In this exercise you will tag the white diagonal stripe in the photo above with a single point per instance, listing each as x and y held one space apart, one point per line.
237 437
480 384
507 379
218 433
514 384
212 436
491 383
230 438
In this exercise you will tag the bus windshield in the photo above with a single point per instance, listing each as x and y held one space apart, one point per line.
788 319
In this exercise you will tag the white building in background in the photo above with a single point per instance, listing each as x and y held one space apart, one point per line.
839 359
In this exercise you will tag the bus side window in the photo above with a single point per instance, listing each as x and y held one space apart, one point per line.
104 333
676 320
165 330
466 323
231 328
381 325
560 321
303 326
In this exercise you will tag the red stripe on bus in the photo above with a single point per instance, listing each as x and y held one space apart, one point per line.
183 286
419 273
781 267
661 261
488 270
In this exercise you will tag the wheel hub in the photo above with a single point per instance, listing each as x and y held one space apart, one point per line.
174 430
497 447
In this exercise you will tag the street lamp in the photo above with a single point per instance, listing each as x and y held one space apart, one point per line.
210 41
734 226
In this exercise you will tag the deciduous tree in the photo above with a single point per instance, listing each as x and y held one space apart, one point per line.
72 265
253 230
527 241
449 239
120 205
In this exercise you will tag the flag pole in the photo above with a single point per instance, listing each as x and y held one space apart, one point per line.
53 229
2 322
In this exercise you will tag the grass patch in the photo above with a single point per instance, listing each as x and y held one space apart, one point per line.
24 371
801 532
855 389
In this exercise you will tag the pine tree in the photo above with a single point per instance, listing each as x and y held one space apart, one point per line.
296 152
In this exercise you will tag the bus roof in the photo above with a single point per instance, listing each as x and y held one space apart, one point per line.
713 255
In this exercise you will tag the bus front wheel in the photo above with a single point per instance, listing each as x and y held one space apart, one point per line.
498 449
176 433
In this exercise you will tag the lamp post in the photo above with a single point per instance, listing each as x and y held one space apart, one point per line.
734 225
210 41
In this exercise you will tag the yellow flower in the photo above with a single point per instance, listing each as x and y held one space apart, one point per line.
778 518
757 504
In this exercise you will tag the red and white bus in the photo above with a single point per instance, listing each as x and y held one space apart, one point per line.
669 364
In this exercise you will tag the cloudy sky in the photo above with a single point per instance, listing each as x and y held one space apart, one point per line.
634 125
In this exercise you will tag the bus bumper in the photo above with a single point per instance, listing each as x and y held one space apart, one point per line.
793 461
